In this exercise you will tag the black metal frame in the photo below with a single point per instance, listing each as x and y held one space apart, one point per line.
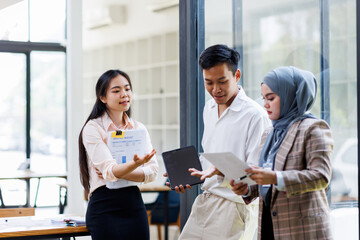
25 47
192 92
237 16
324 60
357 4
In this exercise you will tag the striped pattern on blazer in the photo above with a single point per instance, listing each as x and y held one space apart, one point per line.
302 211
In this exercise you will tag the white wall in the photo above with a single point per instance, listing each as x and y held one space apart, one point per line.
100 47
141 21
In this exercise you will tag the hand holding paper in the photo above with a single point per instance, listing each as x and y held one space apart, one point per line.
231 166
262 176
240 188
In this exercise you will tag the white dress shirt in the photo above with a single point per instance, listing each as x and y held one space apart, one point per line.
95 135
237 130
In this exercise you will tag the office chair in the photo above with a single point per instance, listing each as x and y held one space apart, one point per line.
1 200
157 211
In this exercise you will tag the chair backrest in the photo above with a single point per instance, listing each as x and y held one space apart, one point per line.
157 211
17 212
173 198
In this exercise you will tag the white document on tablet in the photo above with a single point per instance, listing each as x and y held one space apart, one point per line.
231 166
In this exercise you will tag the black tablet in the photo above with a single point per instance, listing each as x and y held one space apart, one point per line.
177 164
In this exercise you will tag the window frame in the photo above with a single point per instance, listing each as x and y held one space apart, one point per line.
192 90
357 4
26 48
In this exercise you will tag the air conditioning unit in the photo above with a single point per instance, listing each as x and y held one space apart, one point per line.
160 6
111 15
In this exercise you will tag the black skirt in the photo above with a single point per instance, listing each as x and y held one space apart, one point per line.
117 214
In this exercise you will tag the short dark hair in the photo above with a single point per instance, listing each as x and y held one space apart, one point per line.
219 54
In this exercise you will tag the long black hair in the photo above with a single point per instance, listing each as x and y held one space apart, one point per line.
98 110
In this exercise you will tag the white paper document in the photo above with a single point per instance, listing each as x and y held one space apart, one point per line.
231 166
123 146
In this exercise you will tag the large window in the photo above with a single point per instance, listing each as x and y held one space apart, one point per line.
33 96
316 35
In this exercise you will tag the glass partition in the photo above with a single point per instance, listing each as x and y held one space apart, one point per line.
12 121
14 20
12 110
33 94
281 32
48 112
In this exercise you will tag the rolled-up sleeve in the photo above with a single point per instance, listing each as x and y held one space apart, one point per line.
258 125
98 152
150 168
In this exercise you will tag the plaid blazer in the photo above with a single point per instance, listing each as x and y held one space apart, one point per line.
302 211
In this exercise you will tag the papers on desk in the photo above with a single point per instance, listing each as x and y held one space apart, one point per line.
13 223
231 166
123 145
72 221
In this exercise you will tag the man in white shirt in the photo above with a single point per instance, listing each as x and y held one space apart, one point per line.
232 123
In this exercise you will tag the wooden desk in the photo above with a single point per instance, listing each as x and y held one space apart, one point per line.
153 188
38 228
160 188
26 175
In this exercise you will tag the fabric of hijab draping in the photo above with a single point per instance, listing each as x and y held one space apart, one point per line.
297 91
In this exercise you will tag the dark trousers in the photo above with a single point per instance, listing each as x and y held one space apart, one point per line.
267 230
117 214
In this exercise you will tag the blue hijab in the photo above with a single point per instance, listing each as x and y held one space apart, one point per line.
297 91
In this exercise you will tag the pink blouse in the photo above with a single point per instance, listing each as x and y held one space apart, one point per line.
99 156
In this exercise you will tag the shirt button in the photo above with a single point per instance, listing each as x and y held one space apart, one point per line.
274 214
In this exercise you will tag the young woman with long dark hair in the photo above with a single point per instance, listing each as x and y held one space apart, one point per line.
113 213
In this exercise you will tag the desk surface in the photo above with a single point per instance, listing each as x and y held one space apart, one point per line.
153 188
38 226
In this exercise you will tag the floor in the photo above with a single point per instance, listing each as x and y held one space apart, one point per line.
173 230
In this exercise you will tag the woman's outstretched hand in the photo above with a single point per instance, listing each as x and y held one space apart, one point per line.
142 160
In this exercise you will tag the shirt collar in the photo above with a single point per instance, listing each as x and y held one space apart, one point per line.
236 104
110 126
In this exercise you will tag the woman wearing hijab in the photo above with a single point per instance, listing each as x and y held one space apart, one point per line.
294 168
